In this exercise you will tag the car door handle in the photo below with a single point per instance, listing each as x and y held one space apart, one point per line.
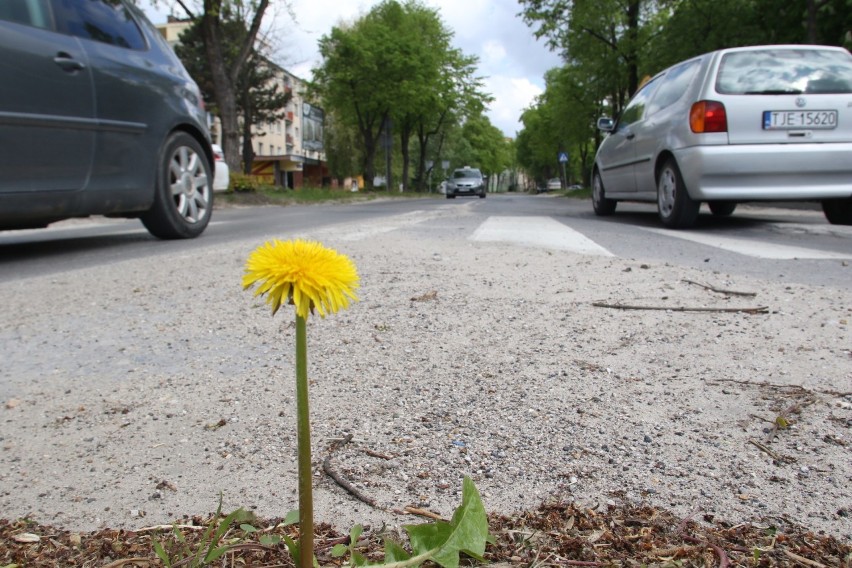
68 63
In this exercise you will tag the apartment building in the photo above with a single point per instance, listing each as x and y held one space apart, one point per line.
288 152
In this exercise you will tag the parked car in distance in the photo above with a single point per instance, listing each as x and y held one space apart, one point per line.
554 184
575 187
222 173
98 117
743 124
466 181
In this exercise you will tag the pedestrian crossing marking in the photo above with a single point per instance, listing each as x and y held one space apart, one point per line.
544 232
757 249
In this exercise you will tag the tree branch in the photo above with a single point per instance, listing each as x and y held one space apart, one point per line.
754 310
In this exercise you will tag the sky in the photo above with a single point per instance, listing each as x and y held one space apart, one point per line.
511 61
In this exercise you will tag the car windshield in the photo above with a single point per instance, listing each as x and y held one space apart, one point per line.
785 71
468 173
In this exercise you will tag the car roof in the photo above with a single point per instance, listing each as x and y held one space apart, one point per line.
782 46
745 48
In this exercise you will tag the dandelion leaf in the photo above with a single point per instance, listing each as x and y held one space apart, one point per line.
394 552
467 532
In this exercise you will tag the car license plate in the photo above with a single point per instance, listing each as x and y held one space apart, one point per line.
785 119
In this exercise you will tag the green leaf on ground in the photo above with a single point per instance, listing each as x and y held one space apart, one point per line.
467 532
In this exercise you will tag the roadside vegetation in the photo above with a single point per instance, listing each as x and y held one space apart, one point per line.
247 191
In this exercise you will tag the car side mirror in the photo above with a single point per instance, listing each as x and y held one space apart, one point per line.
606 124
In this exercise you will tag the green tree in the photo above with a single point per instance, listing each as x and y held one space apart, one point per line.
362 65
213 17
396 64
259 99
606 38
341 144
484 146
440 87
692 27
563 120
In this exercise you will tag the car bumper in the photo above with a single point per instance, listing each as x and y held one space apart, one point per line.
479 191
767 171
221 177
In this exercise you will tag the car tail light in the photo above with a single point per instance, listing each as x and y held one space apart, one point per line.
708 116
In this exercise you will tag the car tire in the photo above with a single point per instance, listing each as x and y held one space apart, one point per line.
838 211
722 208
601 204
450 196
183 196
676 209
482 196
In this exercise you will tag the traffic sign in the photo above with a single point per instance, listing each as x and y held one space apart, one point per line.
563 157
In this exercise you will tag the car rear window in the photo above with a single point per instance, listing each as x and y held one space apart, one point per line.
784 71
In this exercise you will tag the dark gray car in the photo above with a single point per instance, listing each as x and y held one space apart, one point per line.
98 117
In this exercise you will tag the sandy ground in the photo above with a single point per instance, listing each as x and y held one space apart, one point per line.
137 393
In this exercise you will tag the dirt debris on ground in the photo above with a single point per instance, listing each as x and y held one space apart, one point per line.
551 535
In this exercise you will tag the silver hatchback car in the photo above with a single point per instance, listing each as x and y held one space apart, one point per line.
753 123
466 181
98 117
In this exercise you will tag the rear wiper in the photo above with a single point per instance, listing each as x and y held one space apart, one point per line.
776 92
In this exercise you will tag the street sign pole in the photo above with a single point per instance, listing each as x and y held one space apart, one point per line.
563 159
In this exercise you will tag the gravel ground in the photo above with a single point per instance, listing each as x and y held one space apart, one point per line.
134 394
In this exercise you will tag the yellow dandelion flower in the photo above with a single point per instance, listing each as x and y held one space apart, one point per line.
305 273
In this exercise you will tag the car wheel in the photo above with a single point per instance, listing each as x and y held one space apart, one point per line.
482 196
183 196
600 203
838 211
450 196
722 208
676 208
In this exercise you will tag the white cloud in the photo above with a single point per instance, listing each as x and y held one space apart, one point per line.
511 96
492 52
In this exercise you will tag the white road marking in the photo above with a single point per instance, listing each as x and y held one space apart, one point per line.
542 232
363 230
757 249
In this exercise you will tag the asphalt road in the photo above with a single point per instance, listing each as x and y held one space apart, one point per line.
780 244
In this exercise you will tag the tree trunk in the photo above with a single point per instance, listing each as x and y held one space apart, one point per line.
248 120
423 138
223 89
248 151
633 46
811 24
404 139
369 164
224 80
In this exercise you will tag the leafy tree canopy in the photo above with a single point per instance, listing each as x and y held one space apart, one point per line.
396 66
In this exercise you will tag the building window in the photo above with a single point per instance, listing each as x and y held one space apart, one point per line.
260 149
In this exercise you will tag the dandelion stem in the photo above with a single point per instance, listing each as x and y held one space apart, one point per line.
306 502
